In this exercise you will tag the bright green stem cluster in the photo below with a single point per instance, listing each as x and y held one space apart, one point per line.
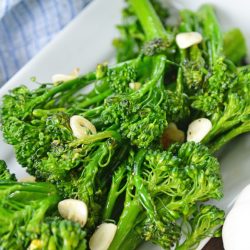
94 138
148 18
116 190
227 137
211 28
78 82
127 222
235 47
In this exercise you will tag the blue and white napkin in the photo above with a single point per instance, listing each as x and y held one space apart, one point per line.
27 25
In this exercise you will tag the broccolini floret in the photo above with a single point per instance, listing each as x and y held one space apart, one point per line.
5 174
205 222
27 220
132 37
163 187
120 170
58 234
234 46
219 90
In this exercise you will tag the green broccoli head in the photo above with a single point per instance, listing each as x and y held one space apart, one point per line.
193 69
144 126
5 174
22 210
139 123
187 172
19 102
158 46
204 222
164 187
230 117
140 114
25 211
159 233
34 140
120 78
176 106
132 36
215 89
56 233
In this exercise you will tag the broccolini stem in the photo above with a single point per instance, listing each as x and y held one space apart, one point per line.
41 188
132 241
88 139
187 24
115 191
93 112
235 46
95 99
87 185
44 112
127 221
149 20
144 197
244 128
80 81
159 67
92 168
138 161
179 80
117 160
212 33
34 223
132 208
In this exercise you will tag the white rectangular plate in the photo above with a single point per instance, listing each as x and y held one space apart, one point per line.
86 41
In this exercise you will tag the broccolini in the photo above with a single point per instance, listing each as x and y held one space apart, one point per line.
119 167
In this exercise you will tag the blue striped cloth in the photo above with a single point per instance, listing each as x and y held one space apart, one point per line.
27 25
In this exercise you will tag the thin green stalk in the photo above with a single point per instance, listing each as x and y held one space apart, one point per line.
235 45
132 207
44 112
149 20
90 171
211 32
132 241
88 139
115 191
126 222
98 89
80 81
244 128
93 112
98 98
159 67
179 80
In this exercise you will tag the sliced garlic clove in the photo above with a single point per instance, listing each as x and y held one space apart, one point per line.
102 237
135 85
198 129
63 78
75 72
74 210
187 39
28 179
81 126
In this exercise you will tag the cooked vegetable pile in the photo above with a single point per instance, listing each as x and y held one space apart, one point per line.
133 159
